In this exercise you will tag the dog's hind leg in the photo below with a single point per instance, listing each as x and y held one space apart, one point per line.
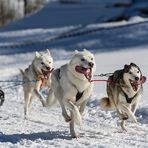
27 99
72 130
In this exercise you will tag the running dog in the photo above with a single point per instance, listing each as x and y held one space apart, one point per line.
36 77
124 89
72 87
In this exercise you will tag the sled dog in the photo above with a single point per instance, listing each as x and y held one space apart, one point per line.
124 89
72 87
36 77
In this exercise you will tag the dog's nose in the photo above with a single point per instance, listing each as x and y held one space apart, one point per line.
136 78
91 64
48 68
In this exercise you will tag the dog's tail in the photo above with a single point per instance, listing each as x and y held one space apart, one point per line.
76 114
106 103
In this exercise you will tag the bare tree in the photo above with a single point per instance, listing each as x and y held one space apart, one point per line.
11 10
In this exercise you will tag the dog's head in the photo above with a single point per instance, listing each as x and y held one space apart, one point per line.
133 76
83 64
43 63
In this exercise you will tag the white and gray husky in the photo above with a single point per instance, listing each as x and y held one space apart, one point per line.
72 88
124 89
36 77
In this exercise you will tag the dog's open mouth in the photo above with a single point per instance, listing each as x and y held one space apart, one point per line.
86 71
46 73
135 84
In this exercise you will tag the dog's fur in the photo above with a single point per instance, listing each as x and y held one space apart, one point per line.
71 86
124 90
36 77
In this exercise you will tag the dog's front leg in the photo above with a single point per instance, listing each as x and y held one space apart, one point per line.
135 105
123 125
82 106
130 114
72 128
38 94
64 112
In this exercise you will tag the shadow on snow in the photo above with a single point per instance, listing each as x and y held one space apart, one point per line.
15 138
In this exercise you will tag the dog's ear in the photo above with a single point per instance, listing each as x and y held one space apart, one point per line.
76 51
126 68
133 64
37 54
48 52
85 50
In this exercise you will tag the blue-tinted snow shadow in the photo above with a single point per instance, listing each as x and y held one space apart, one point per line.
142 115
15 138
105 40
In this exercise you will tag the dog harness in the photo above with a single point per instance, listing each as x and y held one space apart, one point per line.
79 94
128 100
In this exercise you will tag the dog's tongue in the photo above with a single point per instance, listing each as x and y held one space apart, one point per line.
142 80
85 71
47 73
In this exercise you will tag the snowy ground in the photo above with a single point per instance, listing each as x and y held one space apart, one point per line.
46 127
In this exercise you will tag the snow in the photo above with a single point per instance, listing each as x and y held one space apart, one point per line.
123 42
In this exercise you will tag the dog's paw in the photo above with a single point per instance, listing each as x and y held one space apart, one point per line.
75 136
123 126
67 118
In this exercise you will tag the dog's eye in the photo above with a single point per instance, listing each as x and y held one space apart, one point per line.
82 59
42 63
49 62
130 72
92 59
138 71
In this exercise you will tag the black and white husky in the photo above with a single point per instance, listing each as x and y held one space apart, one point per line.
124 91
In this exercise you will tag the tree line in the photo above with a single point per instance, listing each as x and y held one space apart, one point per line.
11 10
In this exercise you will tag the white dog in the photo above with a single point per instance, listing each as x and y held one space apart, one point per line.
36 77
71 85
124 91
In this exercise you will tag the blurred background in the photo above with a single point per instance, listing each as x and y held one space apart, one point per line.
29 25
11 10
